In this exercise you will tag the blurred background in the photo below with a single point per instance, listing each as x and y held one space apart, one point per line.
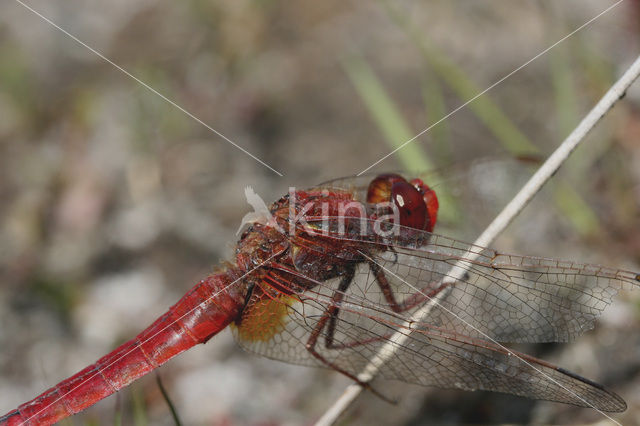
114 202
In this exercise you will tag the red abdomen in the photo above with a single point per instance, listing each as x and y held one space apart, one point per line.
208 308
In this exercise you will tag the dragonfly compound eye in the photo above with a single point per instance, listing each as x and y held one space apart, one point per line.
408 200
380 188
416 202
431 201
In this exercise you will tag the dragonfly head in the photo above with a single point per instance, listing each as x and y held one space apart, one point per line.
416 202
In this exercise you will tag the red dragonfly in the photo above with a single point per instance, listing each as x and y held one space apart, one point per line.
335 273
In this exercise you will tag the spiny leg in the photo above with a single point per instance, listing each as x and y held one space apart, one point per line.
415 299
412 301
334 309
331 314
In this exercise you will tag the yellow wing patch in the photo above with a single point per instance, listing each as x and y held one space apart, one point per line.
264 318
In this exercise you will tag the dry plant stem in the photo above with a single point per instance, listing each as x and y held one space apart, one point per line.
165 395
515 206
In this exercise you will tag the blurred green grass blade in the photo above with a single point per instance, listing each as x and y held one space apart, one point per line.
386 114
60 296
510 137
563 88
597 75
153 114
394 127
507 134
435 109
139 407
68 422
600 72
117 417
578 212
575 209
15 80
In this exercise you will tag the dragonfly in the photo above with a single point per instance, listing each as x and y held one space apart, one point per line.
332 275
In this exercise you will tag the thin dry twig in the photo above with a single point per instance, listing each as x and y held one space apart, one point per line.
508 214
165 396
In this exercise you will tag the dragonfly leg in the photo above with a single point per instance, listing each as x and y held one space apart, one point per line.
330 315
417 298
334 309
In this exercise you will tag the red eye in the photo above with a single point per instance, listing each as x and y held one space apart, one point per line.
413 211
416 202
380 188
430 199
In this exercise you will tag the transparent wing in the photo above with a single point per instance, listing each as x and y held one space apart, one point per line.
471 193
461 177
509 298
455 301
421 353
